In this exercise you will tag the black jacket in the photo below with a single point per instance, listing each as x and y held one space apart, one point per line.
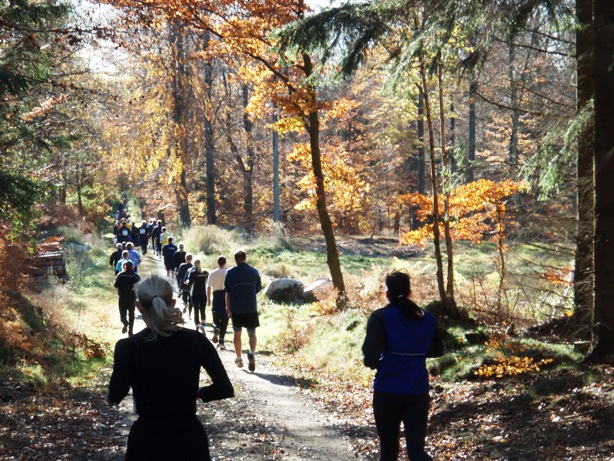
198 282
115 257
181 273
124 282
179 258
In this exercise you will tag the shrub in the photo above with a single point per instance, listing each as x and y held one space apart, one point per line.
211 240
294 335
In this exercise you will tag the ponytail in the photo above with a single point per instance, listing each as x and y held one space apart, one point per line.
398 285
156 296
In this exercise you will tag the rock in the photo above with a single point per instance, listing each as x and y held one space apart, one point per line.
284 290
309 291
77 248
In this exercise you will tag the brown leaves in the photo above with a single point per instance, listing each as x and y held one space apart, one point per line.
68 425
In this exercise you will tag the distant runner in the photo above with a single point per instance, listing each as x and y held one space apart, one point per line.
124 282
216 297
241 284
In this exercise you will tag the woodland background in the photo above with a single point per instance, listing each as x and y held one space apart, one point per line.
468 142
426 121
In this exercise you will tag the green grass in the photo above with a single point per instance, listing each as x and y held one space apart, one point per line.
298 334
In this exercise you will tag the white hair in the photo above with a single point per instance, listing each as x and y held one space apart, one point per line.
156 295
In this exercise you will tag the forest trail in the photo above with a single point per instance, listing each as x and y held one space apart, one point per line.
268 419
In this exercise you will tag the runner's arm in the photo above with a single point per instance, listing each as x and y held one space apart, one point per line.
375 340
221 388
123 367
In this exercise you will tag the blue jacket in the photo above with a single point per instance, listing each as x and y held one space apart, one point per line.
397 346
242 282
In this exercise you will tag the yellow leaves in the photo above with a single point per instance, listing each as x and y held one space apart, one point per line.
340 108
475 209
347 192
294 124
511 366
507 359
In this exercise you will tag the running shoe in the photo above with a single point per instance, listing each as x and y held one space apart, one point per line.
125 329
239 362
251 359
221 346
216 332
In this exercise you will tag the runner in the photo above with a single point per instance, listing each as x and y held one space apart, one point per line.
182 271
123 231
155 236
241 284
217 298
150 226
124 282
116 256
178 260
143 237
399 338
133 256
168 252
164 236
197 279
125 258
162 366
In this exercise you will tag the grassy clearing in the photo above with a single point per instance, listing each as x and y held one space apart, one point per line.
314 338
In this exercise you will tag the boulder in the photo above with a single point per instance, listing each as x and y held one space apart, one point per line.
284 290
309 291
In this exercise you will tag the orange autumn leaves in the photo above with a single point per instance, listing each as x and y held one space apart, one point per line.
476 211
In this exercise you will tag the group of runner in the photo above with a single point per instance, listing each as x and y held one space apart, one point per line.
163 361
147 234
196 287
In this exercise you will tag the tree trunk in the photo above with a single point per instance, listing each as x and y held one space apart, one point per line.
473 89
181 192
313 129
446 186
248 167
603 75
210 174
276 203
179 118
584 259
421 157
449 307
451 156
513 147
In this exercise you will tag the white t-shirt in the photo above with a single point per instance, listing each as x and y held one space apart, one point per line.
216 279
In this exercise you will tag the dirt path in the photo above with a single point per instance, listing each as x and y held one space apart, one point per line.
268 419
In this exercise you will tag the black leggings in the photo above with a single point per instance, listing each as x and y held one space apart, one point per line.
220 321
199 308
126 308
392 409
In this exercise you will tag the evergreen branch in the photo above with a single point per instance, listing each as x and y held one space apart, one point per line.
534 48
506 106
547 98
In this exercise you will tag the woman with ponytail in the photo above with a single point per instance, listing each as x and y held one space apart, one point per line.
399 338
162 366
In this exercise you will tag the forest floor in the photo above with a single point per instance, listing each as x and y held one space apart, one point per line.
554 415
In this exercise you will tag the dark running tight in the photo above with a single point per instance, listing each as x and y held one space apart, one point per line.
199 304
389 410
